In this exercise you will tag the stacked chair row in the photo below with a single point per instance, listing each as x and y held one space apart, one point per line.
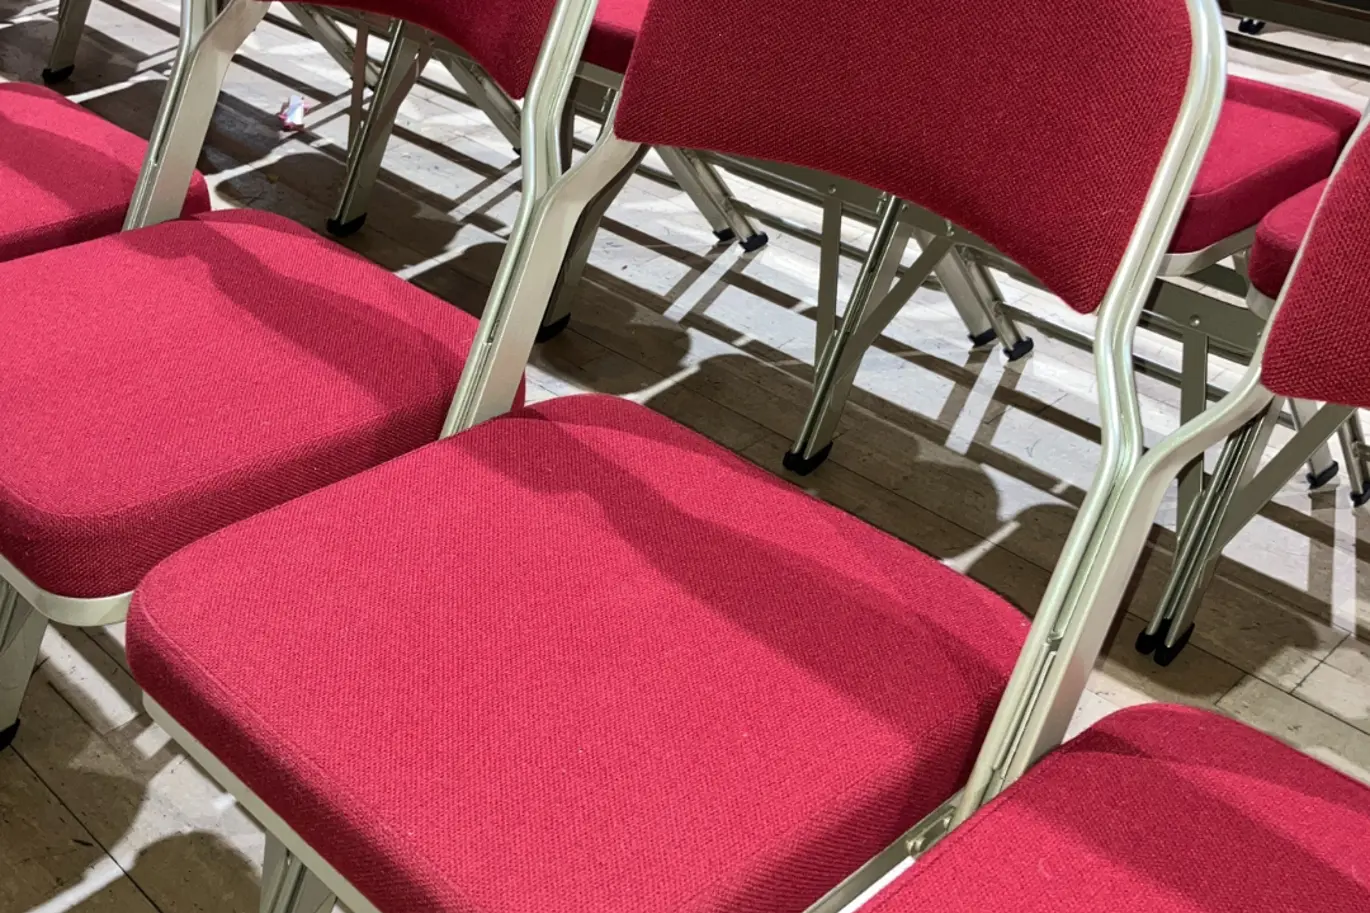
456 654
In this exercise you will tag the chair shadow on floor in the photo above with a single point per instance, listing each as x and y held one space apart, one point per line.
133 793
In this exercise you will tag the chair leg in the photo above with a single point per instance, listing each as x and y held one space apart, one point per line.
1321 467
288 886
1199 548
403 62
712 197
487 95
867 315
323 29
188 106
976 296
71 22
21 634
1353 448
567 287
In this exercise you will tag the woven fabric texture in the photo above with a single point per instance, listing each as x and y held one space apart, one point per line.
504 38
66 174
1314 350
162 383
580 623
1044 141
1156 809
1278 237
1270 143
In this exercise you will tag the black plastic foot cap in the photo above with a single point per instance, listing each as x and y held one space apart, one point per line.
977 340
1251 26
551 330
802 465
1358 498
756 242
55 76
725 236
343 229
7 735
1166 655
1319 479
1147 642
1020 350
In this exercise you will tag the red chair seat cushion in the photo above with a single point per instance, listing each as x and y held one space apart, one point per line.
577 658
66 174
1278 238
1156 808
162 383
1270 144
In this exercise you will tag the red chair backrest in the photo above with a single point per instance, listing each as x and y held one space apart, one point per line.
1317 348
1036 124
503 36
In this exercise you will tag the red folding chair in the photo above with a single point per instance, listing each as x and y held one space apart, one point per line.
583 623
164 382
66 174
1169 808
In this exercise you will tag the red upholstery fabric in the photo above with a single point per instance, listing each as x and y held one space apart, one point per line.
1156 809
66 174
615 29
162 383
577 658
1044 141
504 37
1278 237
1316 349
1270 144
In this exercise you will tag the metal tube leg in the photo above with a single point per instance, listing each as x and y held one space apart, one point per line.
991 299
187 107
289 887
866 318
21 634
1193 401
321 27
403 61
582 242
814 442
1199 546
71 21
488 96
702 184
976 297
1321 467
1353 448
